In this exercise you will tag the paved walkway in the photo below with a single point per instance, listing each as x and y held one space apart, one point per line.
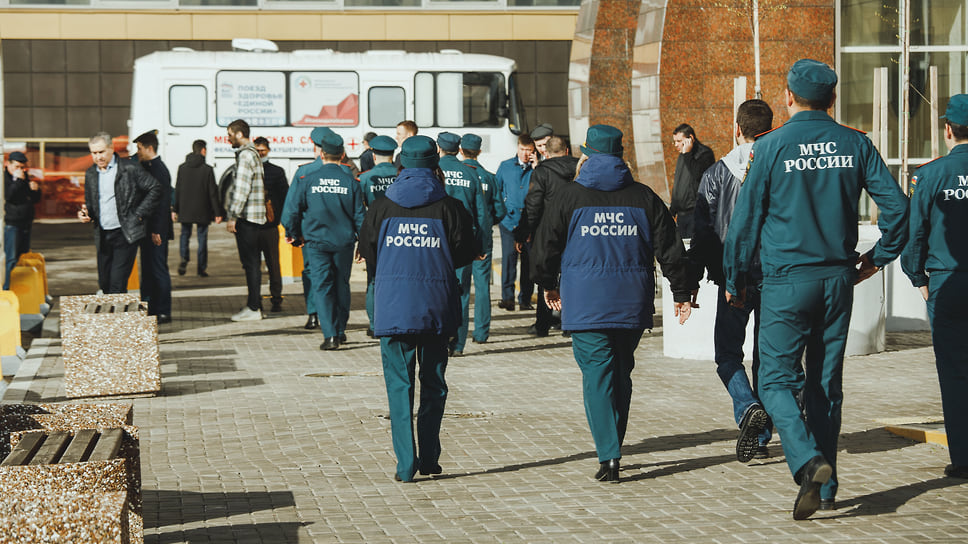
257 436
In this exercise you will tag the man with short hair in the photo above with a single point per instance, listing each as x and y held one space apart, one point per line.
20 193
196 203
405 129
462 183
798 211
276 188
936 262
329 210
541 134
119 197
694 159
245 213
470 148
374 183
155 278
718 190
557 169
513 178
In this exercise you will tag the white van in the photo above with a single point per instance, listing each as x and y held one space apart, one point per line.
188 95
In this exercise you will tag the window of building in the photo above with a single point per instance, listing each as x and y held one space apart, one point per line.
387 106
187 106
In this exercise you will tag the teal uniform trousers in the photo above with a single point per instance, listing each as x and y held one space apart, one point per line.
400 357
606 359
330 279
949 321
482 298
464 283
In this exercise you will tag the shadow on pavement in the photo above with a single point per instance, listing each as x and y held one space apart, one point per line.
196 367
277 533
888 501
174 389
872 441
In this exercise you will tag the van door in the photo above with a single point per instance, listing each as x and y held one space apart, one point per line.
187 118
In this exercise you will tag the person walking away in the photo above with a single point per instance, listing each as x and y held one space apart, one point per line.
798 210
119 197
245 213
470 148
694 159
718 190
20 195
196 204
936 262
374 183
601 235
413 241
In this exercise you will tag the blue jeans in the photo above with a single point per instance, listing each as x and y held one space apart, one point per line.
16 242
400 357
509 264
729 335
184 246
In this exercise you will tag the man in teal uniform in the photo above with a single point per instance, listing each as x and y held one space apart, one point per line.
470 148
374 183
462 183
293 232
798 208
936 261
329 208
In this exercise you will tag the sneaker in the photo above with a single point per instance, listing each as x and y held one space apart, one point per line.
754 420
248 314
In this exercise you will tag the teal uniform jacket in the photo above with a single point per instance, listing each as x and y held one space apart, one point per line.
939 216
798 206
375 181
293 230
462 183
492 198
329 208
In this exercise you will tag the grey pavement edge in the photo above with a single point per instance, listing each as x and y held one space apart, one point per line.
257 436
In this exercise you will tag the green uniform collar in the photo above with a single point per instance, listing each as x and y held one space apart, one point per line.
810 115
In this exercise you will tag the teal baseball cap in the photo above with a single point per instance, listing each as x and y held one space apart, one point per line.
318 133
383 145
957 111
811 79
470 142
604 139
332 144
419 151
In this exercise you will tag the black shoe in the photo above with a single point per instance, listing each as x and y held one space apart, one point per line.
311 323
202 274
429 471
762 452
182 268
827 504
342 338
956 471
566 334
276 307
533 331
455 353
810 477
608 472
397 478
754 420
330 344
164 318
506 305
525 307
369 332
476 341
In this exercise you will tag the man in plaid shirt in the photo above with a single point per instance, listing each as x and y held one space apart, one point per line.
245 211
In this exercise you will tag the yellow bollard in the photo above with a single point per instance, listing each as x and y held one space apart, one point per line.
290 258
37 261
26 282
134 280
9 324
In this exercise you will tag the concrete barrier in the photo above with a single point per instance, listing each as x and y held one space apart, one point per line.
11 351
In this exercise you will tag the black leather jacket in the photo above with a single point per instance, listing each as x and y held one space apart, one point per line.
136 194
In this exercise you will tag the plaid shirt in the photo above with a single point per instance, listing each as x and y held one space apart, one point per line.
247 199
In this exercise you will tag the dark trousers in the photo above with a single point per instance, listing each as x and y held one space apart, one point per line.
16 242
155 279
543 318
400 357
115 259
946 310
269 246
685 224
509 265
184 246
247 240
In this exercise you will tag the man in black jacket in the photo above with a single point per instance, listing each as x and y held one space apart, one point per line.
20 194
119 196
155 279
196 203
556 169
694 159
277 186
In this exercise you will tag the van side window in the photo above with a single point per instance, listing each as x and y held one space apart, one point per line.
459 99
187 106
387 106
